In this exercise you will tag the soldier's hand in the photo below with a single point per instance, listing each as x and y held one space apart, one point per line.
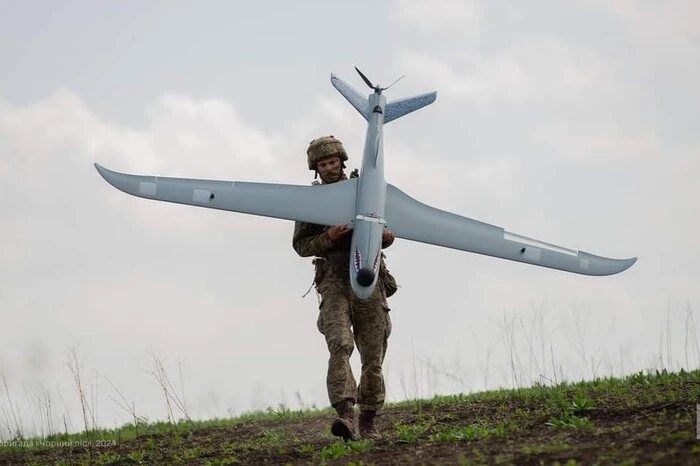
387 236
338 231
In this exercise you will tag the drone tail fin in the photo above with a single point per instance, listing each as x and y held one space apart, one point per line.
398 108
394 109
356 99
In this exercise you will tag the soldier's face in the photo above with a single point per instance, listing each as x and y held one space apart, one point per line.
329 169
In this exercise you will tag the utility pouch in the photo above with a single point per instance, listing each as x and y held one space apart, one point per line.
319 270
387 279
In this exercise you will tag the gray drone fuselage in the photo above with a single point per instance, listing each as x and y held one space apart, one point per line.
369 221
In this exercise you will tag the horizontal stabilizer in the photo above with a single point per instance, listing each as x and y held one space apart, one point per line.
357 100
331 204
398 108
410 219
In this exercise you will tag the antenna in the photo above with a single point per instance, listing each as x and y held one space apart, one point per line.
377 89
394 82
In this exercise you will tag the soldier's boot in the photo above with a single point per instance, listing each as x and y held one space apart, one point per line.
368 428
345 425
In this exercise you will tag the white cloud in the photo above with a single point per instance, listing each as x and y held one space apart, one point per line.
440 16
672 22
597 142
539 68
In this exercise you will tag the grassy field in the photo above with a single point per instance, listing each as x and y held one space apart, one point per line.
641 419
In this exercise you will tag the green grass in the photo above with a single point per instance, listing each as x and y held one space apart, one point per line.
633 391
470 432
534 422
337 449
129 431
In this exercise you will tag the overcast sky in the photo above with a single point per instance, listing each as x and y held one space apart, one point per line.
573 123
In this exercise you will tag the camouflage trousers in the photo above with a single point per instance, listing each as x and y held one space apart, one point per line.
346 321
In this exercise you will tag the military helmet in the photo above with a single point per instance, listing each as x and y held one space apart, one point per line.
323 147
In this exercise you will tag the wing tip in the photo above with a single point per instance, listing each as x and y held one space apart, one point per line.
335 80
101 170
110 176
106 173
622 265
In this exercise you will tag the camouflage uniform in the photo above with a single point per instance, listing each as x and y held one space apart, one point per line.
344 319
340 310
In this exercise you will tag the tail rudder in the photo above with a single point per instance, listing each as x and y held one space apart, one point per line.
398 108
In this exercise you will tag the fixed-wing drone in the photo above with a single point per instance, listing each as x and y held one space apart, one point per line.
367 202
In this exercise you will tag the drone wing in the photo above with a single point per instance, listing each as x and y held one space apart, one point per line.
323 204
410 219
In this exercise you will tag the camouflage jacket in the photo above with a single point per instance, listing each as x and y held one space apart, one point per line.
312 240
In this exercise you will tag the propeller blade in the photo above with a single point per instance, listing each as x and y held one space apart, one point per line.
364 78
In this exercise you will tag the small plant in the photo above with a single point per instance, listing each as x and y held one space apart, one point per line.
470 432
281 410
337 449
408 433
107 458
171 396
639 379
137 456
275 437
573 417
580 405
361 446
569 422
306 449
334 450
192 453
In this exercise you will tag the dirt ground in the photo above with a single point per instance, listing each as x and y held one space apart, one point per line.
643 425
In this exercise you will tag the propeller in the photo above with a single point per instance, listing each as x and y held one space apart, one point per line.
377 89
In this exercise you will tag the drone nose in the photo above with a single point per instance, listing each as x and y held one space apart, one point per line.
365 277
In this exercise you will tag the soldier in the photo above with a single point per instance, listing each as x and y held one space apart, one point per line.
345 320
